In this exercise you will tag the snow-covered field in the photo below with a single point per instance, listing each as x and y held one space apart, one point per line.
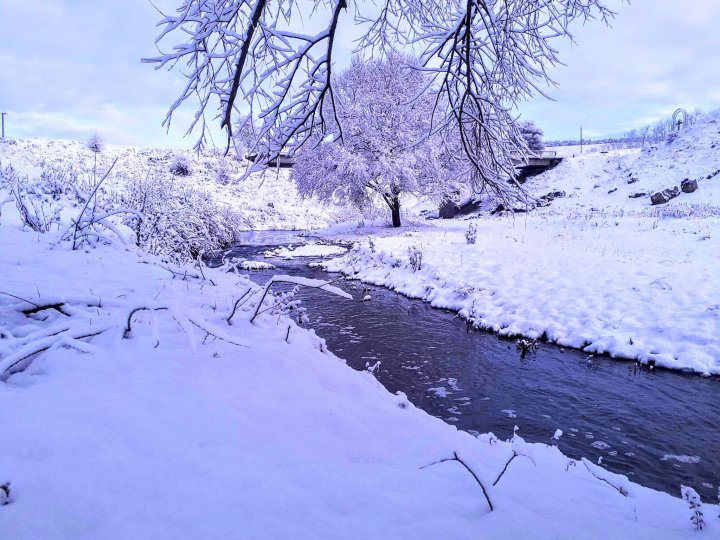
185 425
596 269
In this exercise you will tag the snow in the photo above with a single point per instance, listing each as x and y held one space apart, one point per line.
172 422
256 265
264 201
311 249
314 283
681 459
601 272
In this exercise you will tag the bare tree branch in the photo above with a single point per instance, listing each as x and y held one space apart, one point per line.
457 458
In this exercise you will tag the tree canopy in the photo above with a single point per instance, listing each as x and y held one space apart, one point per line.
388 146
483 58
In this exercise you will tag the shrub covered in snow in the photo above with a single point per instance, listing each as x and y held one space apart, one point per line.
415 256
471 233
180 166
179 223
693 499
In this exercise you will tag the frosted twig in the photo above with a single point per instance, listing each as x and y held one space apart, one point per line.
457 458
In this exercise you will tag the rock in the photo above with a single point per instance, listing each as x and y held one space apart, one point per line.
637 195
688 186
632 180
549 197
448 209
661 197
613 190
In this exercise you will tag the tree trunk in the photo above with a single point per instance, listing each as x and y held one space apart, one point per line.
394 204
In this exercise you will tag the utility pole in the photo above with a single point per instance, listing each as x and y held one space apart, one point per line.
3 124
581 140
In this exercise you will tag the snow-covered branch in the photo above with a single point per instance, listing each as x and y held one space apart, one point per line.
484 57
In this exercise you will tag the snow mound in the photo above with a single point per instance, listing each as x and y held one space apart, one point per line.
306 250
256 265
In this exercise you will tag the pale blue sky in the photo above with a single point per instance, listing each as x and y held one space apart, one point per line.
72 67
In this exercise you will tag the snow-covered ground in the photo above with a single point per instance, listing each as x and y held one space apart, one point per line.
168 431
145 414
597 269
262 201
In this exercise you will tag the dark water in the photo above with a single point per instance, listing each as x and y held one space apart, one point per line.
636 420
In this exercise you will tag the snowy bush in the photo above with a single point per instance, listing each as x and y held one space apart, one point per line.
471 233
34 212
415 256
671 137
8 175
287 304
693 499
93 221
57 182
5 494
180 166
222 175
179 223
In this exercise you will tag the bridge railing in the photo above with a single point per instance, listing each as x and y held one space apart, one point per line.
544 154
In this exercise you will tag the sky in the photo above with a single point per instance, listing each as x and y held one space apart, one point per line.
71 68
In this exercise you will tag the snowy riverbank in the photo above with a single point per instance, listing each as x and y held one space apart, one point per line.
630 287
171 422
598 269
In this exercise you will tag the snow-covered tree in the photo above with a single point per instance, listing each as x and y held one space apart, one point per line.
95 143
484 56
532 135
385 150
245 136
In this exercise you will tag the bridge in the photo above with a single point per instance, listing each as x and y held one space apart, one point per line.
536 163
283 161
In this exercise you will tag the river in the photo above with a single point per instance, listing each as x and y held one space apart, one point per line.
658 427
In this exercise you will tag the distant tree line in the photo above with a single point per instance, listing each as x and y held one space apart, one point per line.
635 138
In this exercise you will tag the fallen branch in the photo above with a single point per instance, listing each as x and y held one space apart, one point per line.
515 454
244 298
20 361
305 282
37 309
183 273
18 298
217 334
619 489
457 458
128 327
